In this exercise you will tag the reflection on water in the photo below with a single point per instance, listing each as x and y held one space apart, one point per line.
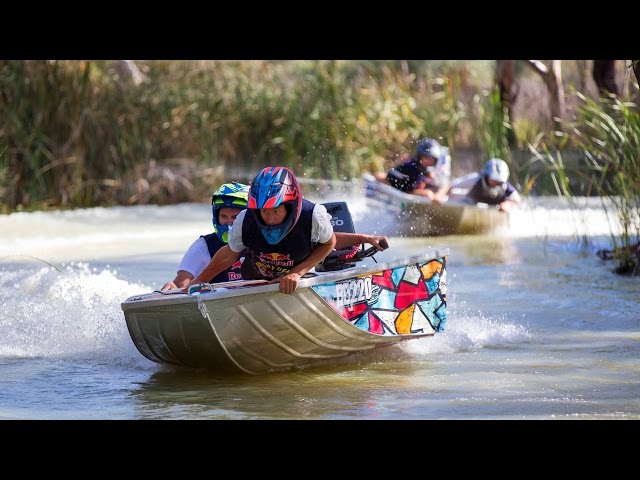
339 391
493 251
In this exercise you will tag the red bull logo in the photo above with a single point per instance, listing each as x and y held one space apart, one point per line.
234 276
237 265
275 258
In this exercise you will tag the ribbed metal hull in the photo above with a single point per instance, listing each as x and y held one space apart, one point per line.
258 329
410 215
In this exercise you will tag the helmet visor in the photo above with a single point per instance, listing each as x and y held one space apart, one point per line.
492 182
273 194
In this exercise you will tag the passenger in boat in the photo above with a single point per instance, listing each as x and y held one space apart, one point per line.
226 203
427 174
493 188
285 235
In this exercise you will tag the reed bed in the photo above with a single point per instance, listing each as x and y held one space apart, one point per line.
80 133
607 133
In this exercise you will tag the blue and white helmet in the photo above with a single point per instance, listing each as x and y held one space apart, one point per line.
443 165
272 187
232 195
429 147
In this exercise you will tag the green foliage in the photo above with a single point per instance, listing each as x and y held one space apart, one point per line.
80 133
491 125
494 123
609 134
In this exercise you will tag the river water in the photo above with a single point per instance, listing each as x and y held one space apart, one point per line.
538 327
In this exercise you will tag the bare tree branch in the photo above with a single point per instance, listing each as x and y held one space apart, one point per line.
552 78
128 69
538 66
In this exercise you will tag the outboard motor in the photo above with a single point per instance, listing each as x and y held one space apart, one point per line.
345 258
340 217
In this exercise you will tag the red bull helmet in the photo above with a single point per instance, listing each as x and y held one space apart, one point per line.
232 195
272 187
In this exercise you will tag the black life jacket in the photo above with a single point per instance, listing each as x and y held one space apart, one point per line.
404 177
232 273
266 261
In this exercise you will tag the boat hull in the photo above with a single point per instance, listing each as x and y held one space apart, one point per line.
402 214
257 329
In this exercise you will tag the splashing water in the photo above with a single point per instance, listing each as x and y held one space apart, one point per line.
71 315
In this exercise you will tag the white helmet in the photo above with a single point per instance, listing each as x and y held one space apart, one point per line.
495 174
443 165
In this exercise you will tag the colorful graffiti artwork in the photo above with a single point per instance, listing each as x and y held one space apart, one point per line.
406 300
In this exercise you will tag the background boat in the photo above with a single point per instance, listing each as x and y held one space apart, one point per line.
403 214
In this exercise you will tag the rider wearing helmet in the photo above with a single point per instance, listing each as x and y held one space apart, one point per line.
226 203
493 188
285 235
426 174
233 196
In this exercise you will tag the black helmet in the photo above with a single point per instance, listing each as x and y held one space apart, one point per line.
428 147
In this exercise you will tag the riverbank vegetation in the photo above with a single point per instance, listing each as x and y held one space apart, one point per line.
87 133
608 134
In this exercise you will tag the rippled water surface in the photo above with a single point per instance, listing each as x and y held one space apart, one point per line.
538 327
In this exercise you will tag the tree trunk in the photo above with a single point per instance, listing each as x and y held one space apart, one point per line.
636 69
506 81
552 78
626 80
583 75
604 74
505 78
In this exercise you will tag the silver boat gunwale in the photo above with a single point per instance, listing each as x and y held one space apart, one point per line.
152 299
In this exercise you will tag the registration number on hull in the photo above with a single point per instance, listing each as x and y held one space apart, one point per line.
353 291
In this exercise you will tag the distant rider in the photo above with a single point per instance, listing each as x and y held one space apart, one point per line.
493 188
427 174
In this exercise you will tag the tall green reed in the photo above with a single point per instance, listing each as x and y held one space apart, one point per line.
608 132
491 125
78 134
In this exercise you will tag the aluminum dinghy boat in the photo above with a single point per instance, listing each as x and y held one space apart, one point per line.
251 327
402 214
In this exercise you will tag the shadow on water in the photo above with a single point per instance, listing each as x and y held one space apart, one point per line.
347 389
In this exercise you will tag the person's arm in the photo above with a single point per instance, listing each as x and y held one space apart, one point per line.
441 195
421 184
346 240
324 239
511 200
194 260
289 282
423 192
182 280
222 260
507 205
381 177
